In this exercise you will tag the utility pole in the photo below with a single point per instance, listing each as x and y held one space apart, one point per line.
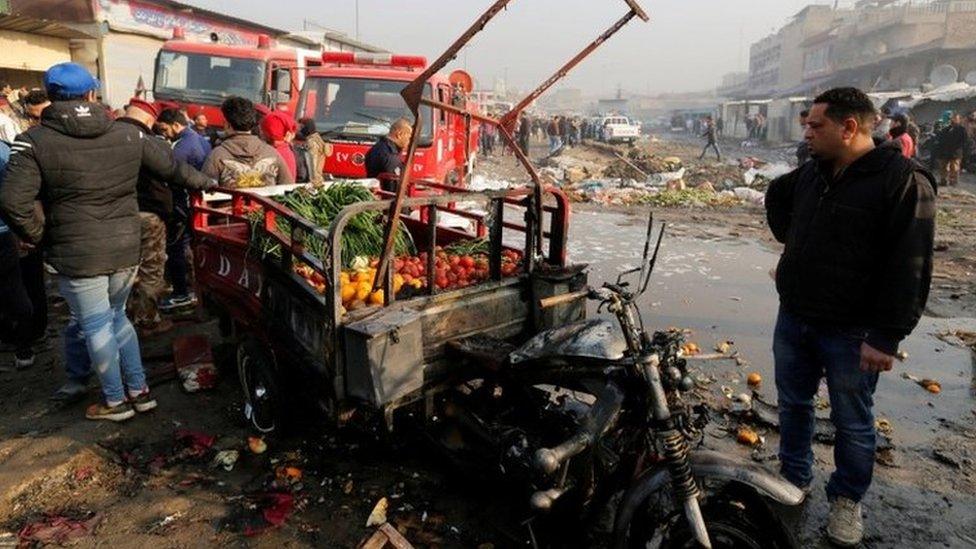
357 20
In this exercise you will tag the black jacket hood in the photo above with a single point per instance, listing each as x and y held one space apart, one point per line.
77 118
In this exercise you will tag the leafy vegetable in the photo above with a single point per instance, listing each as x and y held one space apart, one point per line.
363 235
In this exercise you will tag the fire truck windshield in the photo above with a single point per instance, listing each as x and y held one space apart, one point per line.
197 77
359 108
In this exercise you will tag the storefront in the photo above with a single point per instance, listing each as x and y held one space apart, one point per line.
30 46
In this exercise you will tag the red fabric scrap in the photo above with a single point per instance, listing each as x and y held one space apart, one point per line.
57 529
275 508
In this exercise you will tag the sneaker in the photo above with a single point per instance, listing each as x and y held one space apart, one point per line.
119 412
71 391
24 358
844 525
143 402
177 301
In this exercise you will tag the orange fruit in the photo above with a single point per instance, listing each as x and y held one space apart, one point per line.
754 379
363 290
348 292
747 436
376 298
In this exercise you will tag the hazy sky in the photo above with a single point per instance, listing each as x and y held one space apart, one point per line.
687 45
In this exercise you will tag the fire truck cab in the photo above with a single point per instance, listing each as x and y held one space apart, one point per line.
201 75
355 97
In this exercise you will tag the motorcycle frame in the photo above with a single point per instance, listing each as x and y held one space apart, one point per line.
413 96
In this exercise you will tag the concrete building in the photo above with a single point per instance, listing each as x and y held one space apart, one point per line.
118 39
776 61
734 85
877 45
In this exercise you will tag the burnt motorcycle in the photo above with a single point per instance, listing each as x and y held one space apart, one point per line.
596 423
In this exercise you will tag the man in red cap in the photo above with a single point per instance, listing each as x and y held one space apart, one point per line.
155 200
278 130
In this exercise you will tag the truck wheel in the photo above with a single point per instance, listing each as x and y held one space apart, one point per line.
259 382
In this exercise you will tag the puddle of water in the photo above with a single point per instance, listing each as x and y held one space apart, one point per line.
722 291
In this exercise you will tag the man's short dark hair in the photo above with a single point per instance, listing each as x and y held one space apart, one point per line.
844 103
172 116
34 98
240 114
804 113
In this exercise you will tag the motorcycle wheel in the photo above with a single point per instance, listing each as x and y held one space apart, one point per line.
730 524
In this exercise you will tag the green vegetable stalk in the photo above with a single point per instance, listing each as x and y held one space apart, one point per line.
363 235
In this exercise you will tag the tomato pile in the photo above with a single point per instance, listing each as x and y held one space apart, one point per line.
451 271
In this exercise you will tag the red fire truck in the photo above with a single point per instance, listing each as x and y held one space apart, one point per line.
354 97
200 75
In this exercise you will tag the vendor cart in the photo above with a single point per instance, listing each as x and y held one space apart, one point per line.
291 334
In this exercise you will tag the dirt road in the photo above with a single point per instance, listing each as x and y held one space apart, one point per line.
150 482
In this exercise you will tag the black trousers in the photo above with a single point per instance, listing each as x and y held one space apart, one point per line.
710 145
23 300
177 269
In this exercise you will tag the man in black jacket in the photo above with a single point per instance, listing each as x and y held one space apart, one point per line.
858 223
383 158
950 150
83 168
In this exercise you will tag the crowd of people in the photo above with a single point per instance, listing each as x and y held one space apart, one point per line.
105 197
945 147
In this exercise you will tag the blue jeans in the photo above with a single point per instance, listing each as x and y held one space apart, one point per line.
805 352
554 143
97 307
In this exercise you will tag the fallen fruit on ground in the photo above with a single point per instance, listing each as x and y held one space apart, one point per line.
754 379
747 436
257 445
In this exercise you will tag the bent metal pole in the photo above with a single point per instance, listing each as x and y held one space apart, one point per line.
413 96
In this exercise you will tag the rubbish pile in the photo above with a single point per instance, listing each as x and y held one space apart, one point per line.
637 176
638 162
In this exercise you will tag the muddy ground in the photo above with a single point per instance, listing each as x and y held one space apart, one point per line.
145 483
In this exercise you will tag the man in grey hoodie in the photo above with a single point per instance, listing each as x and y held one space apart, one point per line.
242 156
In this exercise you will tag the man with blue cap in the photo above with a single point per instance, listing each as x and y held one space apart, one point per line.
83 168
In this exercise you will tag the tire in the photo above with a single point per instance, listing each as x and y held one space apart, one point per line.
263 404
732 523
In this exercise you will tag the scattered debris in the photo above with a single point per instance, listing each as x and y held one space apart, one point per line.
883 426
225 459
959 338
165 522
378 515
954 455
256 445
194 362
929 385
724 347
747 436
741 402
58 529
274 508
764 413
386 535
288 474
195 444
690 349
